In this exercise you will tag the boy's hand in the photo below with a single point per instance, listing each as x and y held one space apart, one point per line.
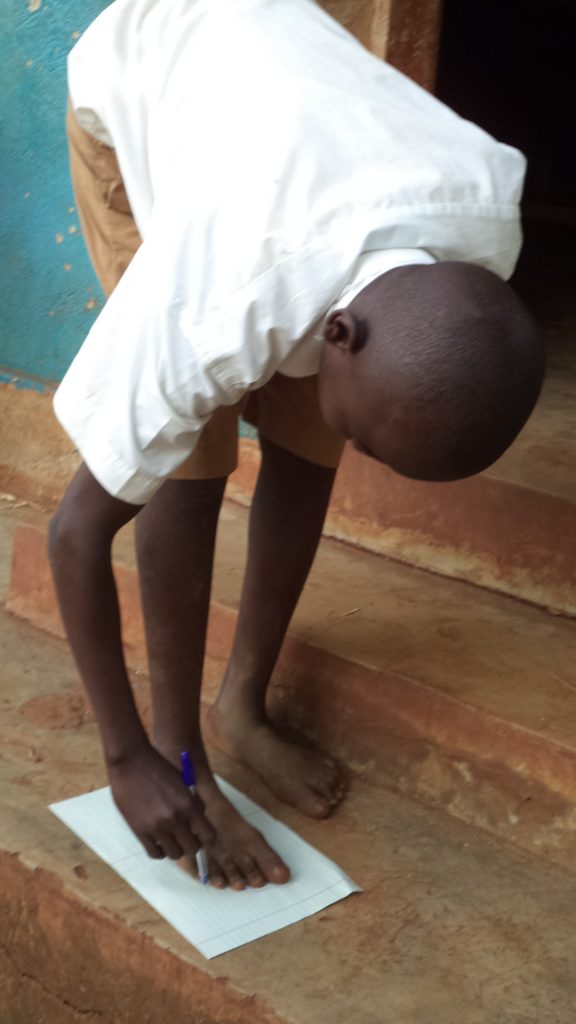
167 819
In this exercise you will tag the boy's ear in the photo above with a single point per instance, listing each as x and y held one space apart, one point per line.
344 330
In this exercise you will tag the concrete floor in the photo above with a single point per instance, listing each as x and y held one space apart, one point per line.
451 928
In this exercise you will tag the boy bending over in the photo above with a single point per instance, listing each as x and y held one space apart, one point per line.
289 229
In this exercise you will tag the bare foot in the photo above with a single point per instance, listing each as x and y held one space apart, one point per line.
302 777
240 856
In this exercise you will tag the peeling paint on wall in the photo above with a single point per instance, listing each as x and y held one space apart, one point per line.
44 271
25 383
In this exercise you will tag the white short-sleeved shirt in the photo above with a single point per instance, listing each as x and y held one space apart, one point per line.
269 160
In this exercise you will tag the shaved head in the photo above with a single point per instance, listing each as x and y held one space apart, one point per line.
432 369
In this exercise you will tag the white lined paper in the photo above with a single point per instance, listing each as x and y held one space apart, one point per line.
214 921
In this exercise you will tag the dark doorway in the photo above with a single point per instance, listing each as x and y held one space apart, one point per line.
510 66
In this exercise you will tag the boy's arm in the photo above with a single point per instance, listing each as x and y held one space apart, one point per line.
146 788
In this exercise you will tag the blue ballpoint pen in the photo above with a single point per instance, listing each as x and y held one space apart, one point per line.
189 779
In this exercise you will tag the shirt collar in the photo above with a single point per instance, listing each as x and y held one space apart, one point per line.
371 265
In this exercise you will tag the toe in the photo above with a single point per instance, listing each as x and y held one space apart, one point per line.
216 874
233 874
256 880
335 786
338 792
252 872
314 804
327 779
218 881
273 869
280 874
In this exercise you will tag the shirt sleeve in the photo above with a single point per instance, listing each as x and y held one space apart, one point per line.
177 339
136 396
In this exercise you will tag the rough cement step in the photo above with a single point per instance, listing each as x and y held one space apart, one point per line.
451 929
461 698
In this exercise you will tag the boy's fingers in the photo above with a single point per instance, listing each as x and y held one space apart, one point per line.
187 840
170 845
152 848
199 802
202 830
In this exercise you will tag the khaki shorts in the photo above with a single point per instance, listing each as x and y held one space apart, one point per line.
285 411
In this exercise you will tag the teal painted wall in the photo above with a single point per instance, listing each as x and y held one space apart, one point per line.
48 293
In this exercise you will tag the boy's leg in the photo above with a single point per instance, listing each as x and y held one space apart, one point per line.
288 511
